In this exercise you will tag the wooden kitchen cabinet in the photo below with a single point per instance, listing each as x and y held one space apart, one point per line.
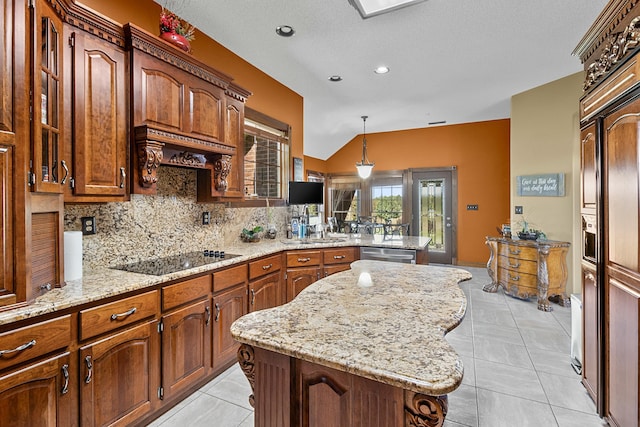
40 394
266 285
338 259
303 268
7 284
588 170
590 330
186 335
97 98
230 302
120 376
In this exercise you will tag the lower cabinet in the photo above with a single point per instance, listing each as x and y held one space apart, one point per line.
120 376
228 306
338 259
591 334
38 395
299 278
266 292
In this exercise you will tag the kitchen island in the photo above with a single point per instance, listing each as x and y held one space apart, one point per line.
361 347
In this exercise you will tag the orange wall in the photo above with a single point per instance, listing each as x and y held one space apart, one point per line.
313 164
480 151
268 95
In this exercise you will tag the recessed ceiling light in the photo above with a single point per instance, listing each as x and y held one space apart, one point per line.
381 70
335 78
285 31
369 8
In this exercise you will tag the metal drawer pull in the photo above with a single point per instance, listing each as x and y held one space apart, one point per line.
304 259
514 278
87 361
266 267
45 287
66 172
18 349
516 252
123 175
253 296
217 312
125 314
516 265
65 375
339 256
207 310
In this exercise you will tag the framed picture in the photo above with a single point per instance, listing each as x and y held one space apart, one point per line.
297 169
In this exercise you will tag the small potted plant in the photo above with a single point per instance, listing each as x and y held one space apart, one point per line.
252 235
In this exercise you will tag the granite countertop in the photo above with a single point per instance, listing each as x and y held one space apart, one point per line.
388 326
103 282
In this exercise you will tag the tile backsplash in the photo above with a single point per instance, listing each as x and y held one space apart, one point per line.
168 223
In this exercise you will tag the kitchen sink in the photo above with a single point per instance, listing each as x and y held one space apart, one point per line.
314 240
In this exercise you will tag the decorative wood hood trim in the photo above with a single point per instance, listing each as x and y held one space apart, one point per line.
154 46
93 23
181 141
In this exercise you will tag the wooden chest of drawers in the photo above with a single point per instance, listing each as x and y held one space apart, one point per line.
526 268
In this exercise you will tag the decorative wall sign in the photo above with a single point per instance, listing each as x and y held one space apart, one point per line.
545 185
297 169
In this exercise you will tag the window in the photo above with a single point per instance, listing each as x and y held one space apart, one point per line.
386 202
266 156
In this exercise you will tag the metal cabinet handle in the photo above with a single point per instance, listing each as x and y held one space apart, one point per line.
87 361
66 172
253 296
516 265
516 252
45 287
207 311
267 267
128 313
514 278
304 259
18 349
65 375
123 175
339 256
217 313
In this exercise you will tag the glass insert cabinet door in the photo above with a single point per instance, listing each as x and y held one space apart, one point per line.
48 170
432 196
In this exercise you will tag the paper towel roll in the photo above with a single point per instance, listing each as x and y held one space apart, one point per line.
72 255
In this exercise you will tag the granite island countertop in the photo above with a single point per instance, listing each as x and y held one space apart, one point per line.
106 282
380 320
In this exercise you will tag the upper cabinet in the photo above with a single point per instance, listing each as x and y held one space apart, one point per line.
49 171
184 114
97 92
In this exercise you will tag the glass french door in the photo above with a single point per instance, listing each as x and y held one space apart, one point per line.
433 213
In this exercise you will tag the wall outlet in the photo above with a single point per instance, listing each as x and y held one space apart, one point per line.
88 225
472 207
519 210
206 218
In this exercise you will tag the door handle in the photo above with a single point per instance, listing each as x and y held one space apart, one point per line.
207 311
65 375
87 361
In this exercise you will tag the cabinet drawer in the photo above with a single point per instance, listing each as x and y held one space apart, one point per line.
518 265
339 256
230 277
303 258
520 252
35 340
186 291
107 317
264 266
520 280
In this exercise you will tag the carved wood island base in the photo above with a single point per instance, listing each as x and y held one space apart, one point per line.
364 347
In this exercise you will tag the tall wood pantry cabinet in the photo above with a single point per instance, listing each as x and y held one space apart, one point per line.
610 208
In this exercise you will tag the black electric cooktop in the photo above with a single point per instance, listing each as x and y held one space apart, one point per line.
171 264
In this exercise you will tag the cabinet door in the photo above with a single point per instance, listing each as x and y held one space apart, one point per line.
205 106
233 136
120 377
300 278
38 395
47 250
336 268
7 289
622 359
100 117
227 307
621 186
591 336
49 170
266 292
588 168
186 347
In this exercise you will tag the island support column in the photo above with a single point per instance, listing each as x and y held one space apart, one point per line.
289 392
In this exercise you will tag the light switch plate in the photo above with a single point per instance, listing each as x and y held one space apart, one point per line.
519 210
472 207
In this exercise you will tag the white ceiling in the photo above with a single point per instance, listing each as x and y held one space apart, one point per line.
454 60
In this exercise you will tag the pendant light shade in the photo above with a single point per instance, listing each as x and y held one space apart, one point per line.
364 167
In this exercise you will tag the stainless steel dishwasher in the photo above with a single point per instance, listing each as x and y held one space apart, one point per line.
407 256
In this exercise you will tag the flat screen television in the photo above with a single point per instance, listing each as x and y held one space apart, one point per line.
305 193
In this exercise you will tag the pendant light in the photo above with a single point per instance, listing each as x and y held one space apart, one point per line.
364 167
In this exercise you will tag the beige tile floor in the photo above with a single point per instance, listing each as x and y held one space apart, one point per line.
517 372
